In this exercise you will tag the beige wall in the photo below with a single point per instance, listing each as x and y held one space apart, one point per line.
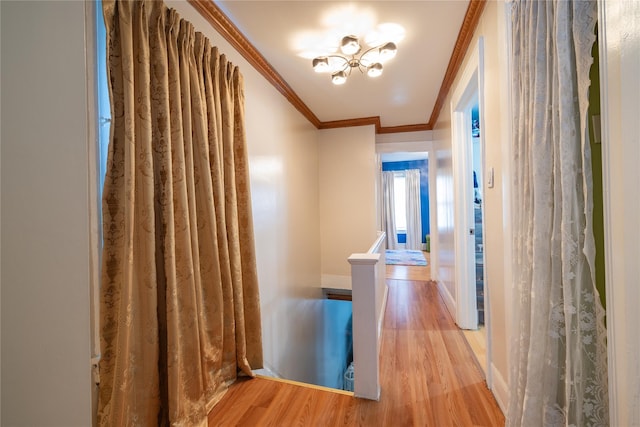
46 343
284 184
491 28
347 198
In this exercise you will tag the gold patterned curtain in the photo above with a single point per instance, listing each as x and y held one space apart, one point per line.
179 300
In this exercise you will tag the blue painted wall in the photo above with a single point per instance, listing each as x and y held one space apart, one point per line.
424 190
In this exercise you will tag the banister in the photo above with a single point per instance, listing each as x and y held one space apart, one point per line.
369 295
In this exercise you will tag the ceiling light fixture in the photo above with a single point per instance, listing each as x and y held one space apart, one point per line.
369 61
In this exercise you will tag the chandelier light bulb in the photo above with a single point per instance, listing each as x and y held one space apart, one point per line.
374 70
388 51
339 78
350 45
321 64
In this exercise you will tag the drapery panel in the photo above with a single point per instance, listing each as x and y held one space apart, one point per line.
388 209
559 366
179 298
413 209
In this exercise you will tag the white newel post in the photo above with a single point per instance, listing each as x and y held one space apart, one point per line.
369 292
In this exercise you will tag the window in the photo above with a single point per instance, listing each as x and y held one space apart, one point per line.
399 201
104 105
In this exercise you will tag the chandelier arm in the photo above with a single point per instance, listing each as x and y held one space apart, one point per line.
356 60
362 55
344 59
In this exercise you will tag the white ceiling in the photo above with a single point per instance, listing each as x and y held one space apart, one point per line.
406 92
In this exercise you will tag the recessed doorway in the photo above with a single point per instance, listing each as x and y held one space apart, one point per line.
470 180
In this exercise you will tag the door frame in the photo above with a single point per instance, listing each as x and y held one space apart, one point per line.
469 91
620 109
409 142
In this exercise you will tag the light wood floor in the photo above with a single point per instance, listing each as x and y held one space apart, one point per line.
406 272
428 378
478 342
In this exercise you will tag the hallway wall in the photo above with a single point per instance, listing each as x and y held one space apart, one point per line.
347 199
46 346
495 117
442 231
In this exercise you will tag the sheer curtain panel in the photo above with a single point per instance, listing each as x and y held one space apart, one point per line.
414 213
559 366
179 299
388 209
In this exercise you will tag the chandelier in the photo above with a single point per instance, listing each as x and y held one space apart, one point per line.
369 60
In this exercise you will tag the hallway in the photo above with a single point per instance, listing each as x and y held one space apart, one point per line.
428 377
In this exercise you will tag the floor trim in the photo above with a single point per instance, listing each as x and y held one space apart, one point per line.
306 385
500 389
448 300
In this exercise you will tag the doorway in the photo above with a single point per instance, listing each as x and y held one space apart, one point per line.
470 182
405 206
478 211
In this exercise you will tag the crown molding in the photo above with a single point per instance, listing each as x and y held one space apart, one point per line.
405 128
365 121
362 121
469 24
214 15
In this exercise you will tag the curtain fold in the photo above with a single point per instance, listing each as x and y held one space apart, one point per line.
180 310
388 209
559 368
414 213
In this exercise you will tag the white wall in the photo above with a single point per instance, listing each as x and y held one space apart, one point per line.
491 28
45 222
347 161
619 26
442 237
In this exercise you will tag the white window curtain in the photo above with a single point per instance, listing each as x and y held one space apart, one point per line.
559 369
388 209
414 217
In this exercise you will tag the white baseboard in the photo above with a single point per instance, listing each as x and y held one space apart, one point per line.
448 300
500 389
267 371
335 281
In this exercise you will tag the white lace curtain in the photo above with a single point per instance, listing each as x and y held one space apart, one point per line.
413 209
388 209
559 369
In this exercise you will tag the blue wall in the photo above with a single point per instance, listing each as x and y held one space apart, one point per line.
424 190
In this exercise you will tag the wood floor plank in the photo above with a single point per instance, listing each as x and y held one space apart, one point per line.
428 378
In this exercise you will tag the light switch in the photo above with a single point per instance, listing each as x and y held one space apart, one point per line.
490 178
